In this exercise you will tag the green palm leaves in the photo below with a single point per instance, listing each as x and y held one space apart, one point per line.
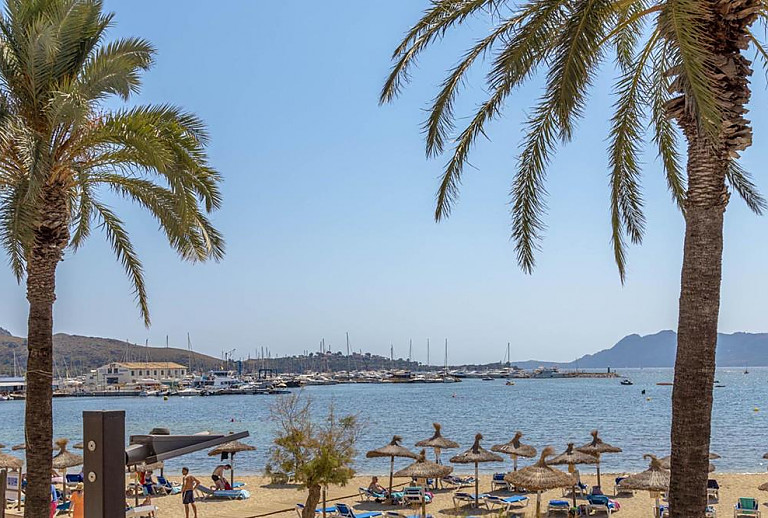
55 71
663 55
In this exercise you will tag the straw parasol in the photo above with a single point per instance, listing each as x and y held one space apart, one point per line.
231 448
18 447
63 460
424 469
10 462
763 487
515 449
666 462
540 477
392 450
654 479
79 446
437 442
571 457
475 455
597 447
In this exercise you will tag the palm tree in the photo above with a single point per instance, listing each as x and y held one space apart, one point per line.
681 69
62 152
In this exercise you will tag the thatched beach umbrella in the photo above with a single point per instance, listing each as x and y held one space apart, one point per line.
540 477
475 455
424 469
63 460
437 442
654 479
392 450
9 462
515 449
23 446
597 447
666 462
79 446
571 457
230 448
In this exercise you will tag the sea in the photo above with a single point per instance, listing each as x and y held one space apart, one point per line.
548 412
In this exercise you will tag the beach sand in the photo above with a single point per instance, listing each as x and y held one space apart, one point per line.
280 501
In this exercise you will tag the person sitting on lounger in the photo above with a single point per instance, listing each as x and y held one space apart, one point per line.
218 476
376 488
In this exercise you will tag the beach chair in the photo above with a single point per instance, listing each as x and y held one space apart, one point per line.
346 511
463 498
73 479
456 482
328 510
415 496
395 514
506 504
142 511
498 482
63 508
746 507
366 495
663 512
617 489
601 503
223 494
713 490
558 506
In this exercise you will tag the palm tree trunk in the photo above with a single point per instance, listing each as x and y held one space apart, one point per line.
697 330
51 236
313 498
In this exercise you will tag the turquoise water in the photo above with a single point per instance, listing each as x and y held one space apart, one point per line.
547 411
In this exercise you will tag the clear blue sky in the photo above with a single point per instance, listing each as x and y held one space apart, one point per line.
328 206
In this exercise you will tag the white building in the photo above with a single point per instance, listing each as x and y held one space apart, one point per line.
125 373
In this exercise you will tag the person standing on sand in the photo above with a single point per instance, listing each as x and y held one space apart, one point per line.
188 486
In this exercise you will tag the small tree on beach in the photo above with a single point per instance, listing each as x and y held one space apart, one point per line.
64 155
317 453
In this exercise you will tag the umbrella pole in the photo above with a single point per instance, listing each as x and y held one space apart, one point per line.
514 460
538 504
232 470
424 499
477 486
136 491
64 485
325 496
391 474
598 473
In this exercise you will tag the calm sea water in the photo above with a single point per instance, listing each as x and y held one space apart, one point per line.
548 412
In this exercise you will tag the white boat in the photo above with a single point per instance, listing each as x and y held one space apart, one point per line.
189 391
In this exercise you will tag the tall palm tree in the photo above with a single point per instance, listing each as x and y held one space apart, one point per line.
681 69
62 152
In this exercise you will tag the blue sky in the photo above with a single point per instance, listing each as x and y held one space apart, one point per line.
328 203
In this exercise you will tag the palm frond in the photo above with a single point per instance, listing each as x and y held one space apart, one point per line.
665 134
741 182
528 189
114 69
626 138
123 248
443 15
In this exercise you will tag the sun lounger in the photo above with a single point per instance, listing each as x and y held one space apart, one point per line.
346 511
457 482
601 503
223 494
328 510
395 514
713 490
746 507
415 495
618 489
367 495
498 482
558 506
663 512
462 498
141 511
506 504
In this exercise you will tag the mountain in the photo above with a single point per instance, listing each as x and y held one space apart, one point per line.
78 354
75 355
658 350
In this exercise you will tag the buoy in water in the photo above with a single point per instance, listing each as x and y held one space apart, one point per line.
165 398
647 399
755 409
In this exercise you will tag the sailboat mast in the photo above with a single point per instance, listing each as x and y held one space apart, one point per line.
446 356
427 352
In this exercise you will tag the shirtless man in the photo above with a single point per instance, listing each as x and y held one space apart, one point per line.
188 485
218 476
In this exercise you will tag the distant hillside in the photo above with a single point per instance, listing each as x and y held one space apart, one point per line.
658 350
78 354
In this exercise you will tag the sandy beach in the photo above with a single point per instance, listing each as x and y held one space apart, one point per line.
280 501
